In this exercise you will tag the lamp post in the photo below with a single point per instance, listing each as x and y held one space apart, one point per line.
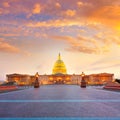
36 84
83 82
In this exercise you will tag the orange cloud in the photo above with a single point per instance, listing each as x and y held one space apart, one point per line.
1 39
83 44
70 13
83 4
0 12
8 48
57 4
108 38
112 12
88 45
10 35
64 38
5 47
104 12
6 4
83 49
55 23
80 3
108 15
36 9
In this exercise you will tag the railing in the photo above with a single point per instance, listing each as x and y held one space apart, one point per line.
112 87
8 88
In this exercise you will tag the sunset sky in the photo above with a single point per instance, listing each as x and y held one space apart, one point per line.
85 32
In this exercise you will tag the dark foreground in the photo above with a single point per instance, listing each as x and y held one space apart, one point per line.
60 102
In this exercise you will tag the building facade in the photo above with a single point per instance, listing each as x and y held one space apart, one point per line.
59 76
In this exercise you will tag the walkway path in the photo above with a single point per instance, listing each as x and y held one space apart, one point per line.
60 101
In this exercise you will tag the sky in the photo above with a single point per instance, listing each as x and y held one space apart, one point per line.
85 32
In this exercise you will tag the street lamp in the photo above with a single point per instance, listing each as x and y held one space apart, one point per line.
36 84
83 82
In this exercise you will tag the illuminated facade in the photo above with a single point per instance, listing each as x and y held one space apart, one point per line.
59 76
21 79
99 79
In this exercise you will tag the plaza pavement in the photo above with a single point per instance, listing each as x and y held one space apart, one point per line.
60 102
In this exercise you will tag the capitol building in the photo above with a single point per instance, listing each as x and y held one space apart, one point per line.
60 76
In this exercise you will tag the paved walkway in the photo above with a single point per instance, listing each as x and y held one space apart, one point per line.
60 102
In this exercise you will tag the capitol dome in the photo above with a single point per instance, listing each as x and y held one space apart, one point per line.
59 67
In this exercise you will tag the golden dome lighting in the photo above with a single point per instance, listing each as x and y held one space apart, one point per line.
59 67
